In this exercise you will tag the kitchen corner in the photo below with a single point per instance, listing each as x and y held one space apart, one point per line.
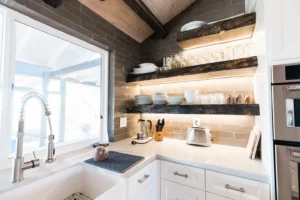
149 100
217 158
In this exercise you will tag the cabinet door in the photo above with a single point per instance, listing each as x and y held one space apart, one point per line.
184 175
148 193
172 191
235 187
210 196
141 179
285 29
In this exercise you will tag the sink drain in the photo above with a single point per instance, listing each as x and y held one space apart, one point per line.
77 196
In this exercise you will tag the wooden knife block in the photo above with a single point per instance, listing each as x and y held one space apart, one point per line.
159 136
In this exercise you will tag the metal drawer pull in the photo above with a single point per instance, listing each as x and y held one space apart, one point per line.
182 175
227 186
291 88
144 178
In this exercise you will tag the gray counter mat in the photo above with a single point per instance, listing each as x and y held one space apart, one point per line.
117 162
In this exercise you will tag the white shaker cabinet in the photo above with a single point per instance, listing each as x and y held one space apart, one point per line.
144 184
184 175
236 188
284 29
210 196
148 193
174 191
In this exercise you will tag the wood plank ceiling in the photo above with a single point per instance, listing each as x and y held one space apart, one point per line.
165 10
120 15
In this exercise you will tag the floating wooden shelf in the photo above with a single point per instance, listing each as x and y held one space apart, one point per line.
233 29
236 109
232 68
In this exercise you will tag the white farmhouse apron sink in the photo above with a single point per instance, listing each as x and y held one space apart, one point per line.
89 180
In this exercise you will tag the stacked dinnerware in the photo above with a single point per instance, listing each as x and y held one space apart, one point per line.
160 99
143 99
175 100
144 68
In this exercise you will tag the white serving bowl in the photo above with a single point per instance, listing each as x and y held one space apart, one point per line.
146 65
193 25
160 97
175 98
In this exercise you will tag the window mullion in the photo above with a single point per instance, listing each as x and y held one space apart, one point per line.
62 111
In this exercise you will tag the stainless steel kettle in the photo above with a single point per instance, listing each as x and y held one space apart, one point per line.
144 131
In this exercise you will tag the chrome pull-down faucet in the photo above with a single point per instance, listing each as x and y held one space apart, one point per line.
19 165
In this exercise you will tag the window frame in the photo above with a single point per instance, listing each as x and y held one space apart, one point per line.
8 73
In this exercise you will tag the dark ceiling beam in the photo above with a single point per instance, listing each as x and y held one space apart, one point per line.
53 3
143 12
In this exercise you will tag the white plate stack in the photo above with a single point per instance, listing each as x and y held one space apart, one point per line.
160 99
175 100
144 68
143 99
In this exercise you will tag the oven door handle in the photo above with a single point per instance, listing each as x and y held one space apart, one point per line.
292 88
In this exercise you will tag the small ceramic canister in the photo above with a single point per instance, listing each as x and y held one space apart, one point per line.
229 99
101 154
239 99
248 99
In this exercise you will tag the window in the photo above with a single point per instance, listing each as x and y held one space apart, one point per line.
84 120
69 73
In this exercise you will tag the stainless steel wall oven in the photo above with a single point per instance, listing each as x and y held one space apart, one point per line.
286 125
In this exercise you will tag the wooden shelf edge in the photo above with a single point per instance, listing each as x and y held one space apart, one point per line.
231 68
233 29
228 36
222 109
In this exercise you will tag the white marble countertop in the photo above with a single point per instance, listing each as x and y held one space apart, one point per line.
225 159
219 158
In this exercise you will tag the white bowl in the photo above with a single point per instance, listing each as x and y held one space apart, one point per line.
160 97
144 68
160 93
145 65
175 98
193 25
177 103
143 96
160 101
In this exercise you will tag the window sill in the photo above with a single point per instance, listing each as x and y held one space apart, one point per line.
60 148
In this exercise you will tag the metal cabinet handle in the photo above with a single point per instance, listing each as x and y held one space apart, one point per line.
227 186
182 175
291 88
144 178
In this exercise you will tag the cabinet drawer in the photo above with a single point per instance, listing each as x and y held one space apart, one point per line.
182 174
170 191
210 196
147 193
235 187
141 179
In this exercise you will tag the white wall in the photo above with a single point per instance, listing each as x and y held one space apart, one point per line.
262 91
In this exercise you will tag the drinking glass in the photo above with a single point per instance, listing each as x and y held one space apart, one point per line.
238 52
228 53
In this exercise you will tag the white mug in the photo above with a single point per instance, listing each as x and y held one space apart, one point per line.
190 96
